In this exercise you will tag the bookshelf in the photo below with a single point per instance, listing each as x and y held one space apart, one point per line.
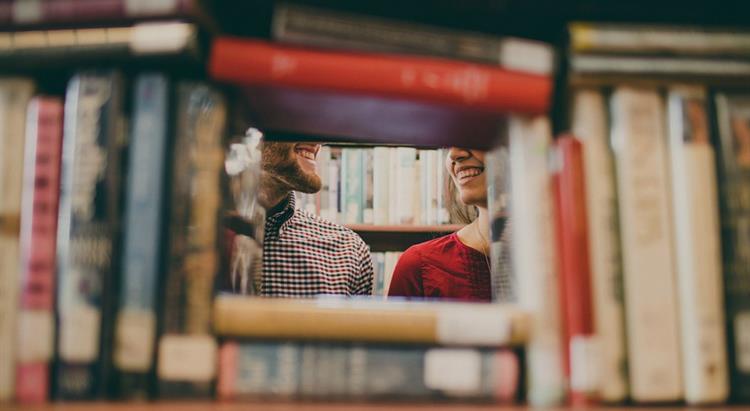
323 406
399 237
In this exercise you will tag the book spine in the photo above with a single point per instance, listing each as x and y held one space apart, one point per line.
352 181
394 191
534 256
135 333
639 142
610 38
15 95
87 234
406 185
659 66
381 178
497 166
321 28
25 13
187 349
355 372
575 272
42 48
590 127
324 195
478 87
44 123
442 183
368 212
334 187
696 228
733 118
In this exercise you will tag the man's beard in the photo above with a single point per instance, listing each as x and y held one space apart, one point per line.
281 165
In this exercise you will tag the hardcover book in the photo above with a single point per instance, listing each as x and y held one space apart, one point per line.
732 144
87 234
652 320
135 333
187 349
290 370
15 94
36 318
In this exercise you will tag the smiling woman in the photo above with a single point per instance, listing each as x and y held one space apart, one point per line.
455 266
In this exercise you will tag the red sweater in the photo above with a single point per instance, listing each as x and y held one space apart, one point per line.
442 268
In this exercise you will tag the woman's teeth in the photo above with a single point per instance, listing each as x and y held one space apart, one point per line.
469 172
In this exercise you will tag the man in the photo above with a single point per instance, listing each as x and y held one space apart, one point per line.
304 255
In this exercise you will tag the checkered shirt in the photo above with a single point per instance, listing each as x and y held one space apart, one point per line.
305 255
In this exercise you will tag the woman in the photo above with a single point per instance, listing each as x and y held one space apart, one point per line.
456 266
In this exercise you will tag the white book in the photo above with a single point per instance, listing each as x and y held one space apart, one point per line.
590 127
418 193
324 156
428 162
381 172
15 94
406 183
368 189
334 186
394 192
639 142
391 259
443 216
534 257
697 244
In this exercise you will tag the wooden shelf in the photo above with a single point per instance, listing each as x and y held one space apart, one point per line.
322 406
400 237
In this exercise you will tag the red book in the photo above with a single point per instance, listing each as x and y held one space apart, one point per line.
575 275
37 242
478 87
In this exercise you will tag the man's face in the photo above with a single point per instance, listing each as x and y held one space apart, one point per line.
292 165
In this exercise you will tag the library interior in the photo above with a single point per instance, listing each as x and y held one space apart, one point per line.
374 205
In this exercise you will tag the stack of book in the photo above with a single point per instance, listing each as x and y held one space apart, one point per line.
337 349
639 216
95 273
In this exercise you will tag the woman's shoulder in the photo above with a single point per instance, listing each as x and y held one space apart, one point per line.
438 245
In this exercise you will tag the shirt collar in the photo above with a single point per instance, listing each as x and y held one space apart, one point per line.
281 218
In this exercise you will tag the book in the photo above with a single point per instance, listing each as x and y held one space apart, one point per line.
381 172
478 87
733 153
88 234
317 27
352 181
651 39
187 349
669 67
41 182
406 177
398 321
42 49
535 258
15 94
497 166
142 263
581 348
328 115
24 14
639 141
325 371
368 189
590 126
697 247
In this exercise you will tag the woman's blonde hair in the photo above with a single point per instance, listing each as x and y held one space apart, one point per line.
459 212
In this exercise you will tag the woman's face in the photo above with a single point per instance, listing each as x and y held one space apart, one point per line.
466 168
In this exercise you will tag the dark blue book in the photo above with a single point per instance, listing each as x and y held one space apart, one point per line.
732 144
142 262
88 232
